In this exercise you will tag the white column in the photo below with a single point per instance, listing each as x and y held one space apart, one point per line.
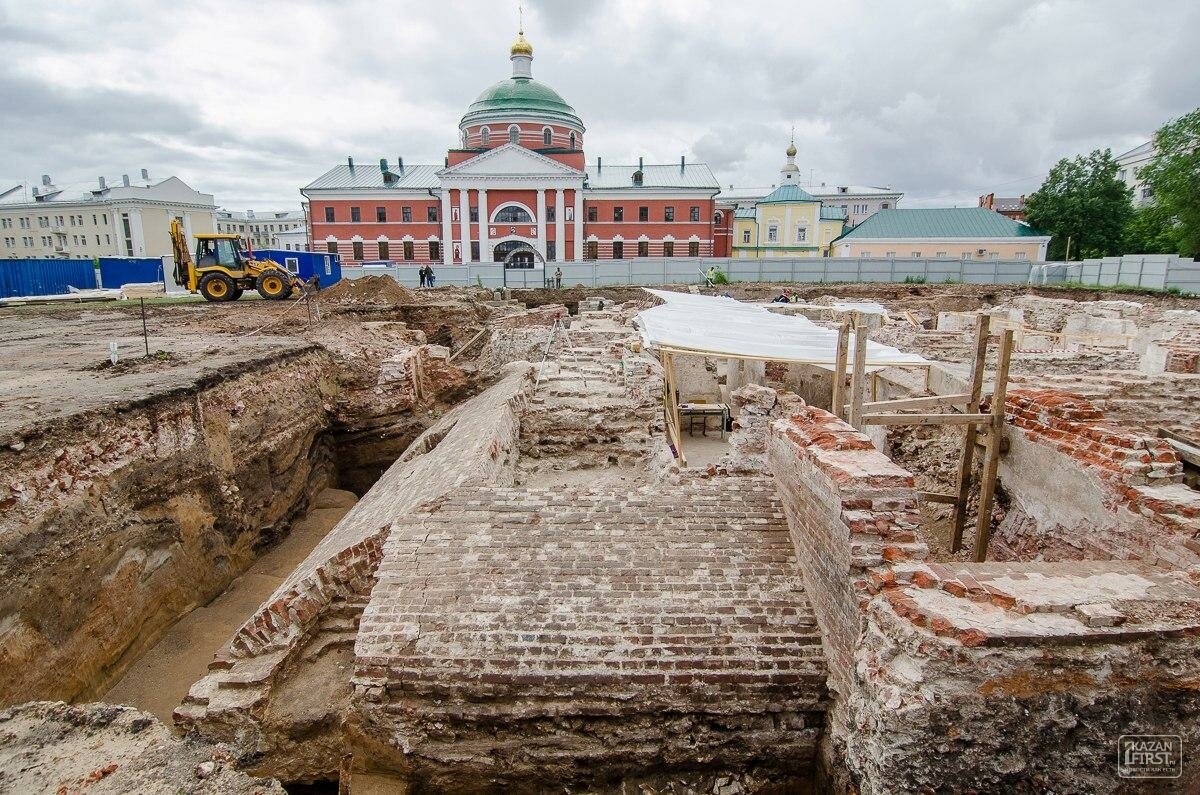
560 225
464 223
138 234
447 235
541 221
579 242
485 248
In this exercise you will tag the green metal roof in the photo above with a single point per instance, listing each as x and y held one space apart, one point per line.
964 222
788 193
520 95
833 214
745 213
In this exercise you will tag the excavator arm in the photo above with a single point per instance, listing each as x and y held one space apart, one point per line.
185 269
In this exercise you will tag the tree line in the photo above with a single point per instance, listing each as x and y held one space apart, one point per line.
1084 201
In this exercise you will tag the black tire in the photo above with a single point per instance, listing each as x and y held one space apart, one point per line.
217 287
274 285
237 293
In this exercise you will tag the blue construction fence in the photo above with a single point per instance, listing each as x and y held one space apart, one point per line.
116 272
29 277
306 264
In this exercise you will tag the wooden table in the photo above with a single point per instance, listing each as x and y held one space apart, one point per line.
702 411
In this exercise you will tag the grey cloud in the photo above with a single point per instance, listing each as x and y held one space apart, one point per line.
942 99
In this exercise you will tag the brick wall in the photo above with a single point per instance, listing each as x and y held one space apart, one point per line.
1083 487
850 509
976 677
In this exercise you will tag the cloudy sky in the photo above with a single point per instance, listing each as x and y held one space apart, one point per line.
944 99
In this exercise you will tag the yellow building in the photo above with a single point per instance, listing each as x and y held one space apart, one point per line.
788 222
967 233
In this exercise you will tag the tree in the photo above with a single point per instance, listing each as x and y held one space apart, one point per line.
1151 230
1083 199
1173 175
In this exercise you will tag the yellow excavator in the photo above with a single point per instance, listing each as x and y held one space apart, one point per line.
222 270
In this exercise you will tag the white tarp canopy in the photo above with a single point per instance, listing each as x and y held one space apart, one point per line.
724 327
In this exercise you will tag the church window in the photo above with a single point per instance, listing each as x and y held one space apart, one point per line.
643 213
593 214
773 233
381 215
331 247
669 248
668 214
694 214
383 250
717 217
618 213
551 213
801 234
329 215
357 248
618 250
643 248
512 214
745 235
355 215
514 134
431 214
547 136
408 249
435 250
406 215
572 142
694 248
475 251
593 250
474 215
885 205
486 136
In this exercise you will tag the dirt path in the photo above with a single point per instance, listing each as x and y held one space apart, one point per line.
159 680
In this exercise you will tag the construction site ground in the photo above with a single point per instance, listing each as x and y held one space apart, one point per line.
158 573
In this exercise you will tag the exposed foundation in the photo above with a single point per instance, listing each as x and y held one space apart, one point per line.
519 588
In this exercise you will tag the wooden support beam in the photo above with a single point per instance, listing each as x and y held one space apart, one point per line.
858 375
839 369
932 496
987 486
673 404
925 419
468 344
967 459
918 402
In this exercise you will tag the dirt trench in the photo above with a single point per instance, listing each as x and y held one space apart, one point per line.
135 495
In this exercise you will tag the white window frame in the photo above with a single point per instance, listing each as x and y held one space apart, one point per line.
773 233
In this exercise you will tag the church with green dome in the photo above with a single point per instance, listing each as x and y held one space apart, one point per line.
516 189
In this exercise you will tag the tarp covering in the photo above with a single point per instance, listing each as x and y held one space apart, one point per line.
723 326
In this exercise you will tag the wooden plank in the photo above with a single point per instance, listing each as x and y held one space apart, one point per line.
925 419
918 402
839 369
467 344
966 460
932 496
675 410
858 374
987 486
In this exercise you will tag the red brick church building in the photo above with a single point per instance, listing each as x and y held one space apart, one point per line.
516 189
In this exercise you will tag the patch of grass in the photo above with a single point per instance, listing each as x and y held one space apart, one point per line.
1132 289
915 280
720 278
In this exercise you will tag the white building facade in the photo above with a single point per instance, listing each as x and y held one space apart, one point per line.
108 218
1129 166
264 228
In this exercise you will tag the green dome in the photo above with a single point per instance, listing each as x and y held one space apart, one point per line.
520 96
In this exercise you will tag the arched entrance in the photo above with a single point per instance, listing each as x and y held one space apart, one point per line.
517 254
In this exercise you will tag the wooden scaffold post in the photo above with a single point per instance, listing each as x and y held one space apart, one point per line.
967 460
987 487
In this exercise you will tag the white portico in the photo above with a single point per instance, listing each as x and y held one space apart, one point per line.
511 194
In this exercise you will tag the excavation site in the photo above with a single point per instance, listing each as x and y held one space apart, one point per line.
877 538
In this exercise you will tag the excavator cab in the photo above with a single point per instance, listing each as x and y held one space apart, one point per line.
222 270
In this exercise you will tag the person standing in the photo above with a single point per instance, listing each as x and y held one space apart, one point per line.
421 275
557 276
